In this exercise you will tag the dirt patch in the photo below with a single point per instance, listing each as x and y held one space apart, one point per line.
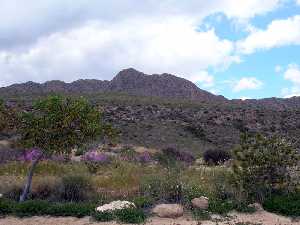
263 218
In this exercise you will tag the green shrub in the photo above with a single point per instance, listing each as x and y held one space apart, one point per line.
190 192
40 208
74 188
167 188
31 208
6 207
143 202
288 205
103 216
221 207
71 209
199 214
263 165
130 215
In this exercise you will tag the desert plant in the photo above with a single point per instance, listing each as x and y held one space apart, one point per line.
216 157
199 214
56 125
74 188
288 205
262 165
130 215
102 216
13 192
143 202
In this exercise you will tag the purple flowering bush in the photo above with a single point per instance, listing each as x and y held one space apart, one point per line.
94 160
30 155
144 157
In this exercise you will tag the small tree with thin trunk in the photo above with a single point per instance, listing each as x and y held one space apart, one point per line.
55 126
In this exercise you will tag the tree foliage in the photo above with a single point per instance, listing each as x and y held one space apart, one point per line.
264 165
57 124
8 118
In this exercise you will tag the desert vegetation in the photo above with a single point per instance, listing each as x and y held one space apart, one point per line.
72 162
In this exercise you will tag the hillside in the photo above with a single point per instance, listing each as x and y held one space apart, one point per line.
163 110
129 81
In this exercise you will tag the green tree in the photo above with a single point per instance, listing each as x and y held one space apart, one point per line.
3 117
263 165
8 119
57 125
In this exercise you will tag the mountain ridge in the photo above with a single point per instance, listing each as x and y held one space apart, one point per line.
129 80
134 82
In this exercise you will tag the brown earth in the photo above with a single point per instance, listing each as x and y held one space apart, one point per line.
262 218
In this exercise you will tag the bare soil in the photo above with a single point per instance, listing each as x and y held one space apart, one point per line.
261 218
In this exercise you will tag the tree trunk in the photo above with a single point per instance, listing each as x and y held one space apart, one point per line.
29 179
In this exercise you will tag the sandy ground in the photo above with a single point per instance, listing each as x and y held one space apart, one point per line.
263 218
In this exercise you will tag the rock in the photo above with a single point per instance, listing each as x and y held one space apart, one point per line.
257 207
200 203
168 210
115 205
5 144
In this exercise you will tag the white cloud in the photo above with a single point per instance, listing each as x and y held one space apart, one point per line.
67 40
298 2
172 46
244 98
247 83
290 92
278 68
278 33
293 74
204 79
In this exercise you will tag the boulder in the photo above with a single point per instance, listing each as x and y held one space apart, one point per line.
200 203
115 205
168 210
257 207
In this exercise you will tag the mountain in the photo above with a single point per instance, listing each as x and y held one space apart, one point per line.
128 81
180 115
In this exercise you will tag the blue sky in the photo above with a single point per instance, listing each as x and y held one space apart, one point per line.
239 49
267 66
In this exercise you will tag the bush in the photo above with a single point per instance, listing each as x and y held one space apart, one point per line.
31 208
6 207
71 209
168 189
175 154
13 192
216 157
130 215
263 165
103 216
44 191
40 208
190 192
74 188
199 214
288 205
221 207
143 202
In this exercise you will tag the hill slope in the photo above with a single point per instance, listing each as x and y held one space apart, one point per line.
163 110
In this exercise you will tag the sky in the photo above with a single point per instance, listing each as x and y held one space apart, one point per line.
238 49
